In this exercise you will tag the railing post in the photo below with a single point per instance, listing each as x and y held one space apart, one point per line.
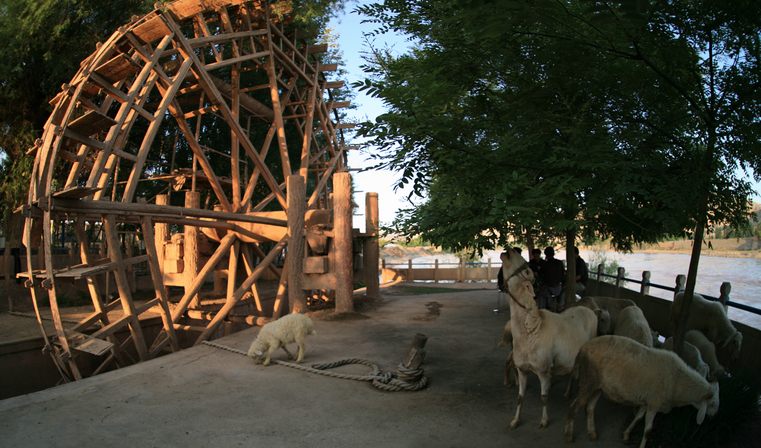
681 279
645 287
488 270
620 275
461 271
410 277
383 263
600 268
725 289
436 270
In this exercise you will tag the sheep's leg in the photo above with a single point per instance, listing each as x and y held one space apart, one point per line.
290 355
640 414
300 355
269 353
509 366
571 418
648 426
591 430
521 391
546 380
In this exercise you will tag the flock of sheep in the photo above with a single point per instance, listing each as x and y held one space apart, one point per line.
607 346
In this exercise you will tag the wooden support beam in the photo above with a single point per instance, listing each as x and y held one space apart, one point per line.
229 305
216 97
342 232
158 282
216 257
296 189
190 244
371 249
122 285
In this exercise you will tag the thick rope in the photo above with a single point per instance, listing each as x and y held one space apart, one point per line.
403 380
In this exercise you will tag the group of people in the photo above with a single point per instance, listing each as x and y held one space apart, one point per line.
549 275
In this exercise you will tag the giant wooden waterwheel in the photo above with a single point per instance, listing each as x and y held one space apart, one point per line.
124 172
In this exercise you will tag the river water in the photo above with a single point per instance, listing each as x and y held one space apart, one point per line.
744 274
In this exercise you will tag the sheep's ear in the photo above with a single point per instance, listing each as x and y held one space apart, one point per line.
702 412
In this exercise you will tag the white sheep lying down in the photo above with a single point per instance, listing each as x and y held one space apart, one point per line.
544 342
711 319
627 372
277 334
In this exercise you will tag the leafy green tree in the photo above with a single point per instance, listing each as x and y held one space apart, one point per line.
634 114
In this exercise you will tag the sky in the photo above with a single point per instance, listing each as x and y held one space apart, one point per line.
351 42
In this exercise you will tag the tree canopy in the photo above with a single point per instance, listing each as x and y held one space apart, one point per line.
628 120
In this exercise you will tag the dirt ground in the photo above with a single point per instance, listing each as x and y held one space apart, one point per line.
204 396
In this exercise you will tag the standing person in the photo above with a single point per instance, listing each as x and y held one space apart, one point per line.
582 273
551 281
535 263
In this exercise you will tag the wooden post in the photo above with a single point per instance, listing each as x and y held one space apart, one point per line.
410 275
342 229
190 254
600 269
620 275
436 270
680 282
645 287
383 263
488 270
724 290
371 249
461 271
296 190
161 232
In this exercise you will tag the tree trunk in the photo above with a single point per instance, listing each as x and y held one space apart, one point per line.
570 257
680 326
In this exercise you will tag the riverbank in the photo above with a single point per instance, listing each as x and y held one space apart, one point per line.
724 247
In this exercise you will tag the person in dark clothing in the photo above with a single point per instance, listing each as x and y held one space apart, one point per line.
551 282
535 263
582 273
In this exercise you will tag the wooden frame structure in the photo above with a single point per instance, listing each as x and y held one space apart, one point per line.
176 72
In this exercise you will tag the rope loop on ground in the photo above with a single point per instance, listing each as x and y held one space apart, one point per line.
403 380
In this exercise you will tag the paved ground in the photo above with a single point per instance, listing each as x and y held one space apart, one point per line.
204 397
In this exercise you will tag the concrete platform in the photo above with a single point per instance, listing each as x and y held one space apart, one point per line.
203 397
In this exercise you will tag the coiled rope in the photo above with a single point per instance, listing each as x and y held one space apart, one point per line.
404 379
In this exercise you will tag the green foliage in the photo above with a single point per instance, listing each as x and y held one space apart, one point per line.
609 265
623 121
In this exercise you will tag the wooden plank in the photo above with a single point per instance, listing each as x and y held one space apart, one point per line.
318 48
333 84
113 327
151 29
75 192
239 59
346 126
328 67
91 122
339 104
117 68
316 265
191 252
88 344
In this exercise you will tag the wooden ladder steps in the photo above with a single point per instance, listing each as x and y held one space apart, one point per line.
150 29
117 68
91 122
